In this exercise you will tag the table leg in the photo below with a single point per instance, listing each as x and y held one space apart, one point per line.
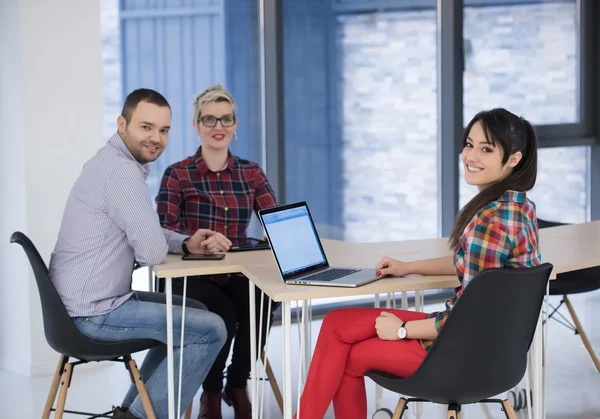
286 316
418 307
181 347
170 369
537 373
266 368
378 388
253 344
306 310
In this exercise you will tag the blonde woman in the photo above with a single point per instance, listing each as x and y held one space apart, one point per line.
215 190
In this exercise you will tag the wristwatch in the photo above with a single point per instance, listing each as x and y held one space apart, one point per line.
184 246
402 333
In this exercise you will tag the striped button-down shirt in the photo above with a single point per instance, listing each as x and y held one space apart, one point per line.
503 234
108 224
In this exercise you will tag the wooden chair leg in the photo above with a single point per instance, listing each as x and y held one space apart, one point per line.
453 411
508 410
400 408
188 411
143 394
582 334
272 380
54 387
65 381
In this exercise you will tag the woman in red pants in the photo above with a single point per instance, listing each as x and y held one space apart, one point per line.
497 228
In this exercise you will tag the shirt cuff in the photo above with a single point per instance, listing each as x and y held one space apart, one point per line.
440 320
174 241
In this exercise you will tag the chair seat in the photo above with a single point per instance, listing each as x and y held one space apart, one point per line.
452 392
105 351
575 282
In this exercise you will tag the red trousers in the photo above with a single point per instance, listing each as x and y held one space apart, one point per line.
347 348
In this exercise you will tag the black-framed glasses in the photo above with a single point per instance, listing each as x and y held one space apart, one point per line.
211 121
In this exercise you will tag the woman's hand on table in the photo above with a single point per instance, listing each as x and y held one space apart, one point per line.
392 267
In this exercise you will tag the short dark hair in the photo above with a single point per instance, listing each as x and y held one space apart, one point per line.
142 95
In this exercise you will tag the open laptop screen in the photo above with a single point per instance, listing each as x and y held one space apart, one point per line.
294 240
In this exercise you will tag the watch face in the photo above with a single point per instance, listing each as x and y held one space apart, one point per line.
402 333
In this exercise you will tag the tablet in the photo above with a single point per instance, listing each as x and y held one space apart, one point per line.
250 244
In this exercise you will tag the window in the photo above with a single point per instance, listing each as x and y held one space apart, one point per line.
522 57
560 193
525 58
361 120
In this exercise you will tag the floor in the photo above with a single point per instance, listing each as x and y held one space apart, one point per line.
573 384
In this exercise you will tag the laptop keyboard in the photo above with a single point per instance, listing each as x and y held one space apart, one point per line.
330 275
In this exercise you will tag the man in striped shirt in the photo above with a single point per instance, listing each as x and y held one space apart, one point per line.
109 224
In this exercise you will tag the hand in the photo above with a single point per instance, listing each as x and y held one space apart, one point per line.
216 243
196 245
391 267
387 325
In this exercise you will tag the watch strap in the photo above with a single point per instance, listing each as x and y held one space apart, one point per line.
184 247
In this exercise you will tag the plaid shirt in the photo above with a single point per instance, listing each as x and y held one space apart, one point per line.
504 233
191 196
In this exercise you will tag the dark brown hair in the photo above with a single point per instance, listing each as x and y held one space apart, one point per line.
142 95
511 134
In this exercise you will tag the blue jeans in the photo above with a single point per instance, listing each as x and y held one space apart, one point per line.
143 316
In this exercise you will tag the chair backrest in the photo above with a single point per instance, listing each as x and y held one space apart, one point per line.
546 224
482 349
61 333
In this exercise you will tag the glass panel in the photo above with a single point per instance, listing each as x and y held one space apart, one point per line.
111 65
361 120
523 57
560 193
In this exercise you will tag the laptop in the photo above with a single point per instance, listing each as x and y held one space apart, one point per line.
299 253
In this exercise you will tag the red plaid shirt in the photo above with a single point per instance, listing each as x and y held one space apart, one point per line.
191 196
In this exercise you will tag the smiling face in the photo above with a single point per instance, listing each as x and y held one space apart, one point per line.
147 133
216 125
483 160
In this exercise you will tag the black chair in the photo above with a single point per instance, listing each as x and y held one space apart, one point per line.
482 349
64 338
574 282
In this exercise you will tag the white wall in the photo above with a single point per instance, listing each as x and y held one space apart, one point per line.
50 124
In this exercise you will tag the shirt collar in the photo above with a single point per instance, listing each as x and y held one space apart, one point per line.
203 167
117 142
513 196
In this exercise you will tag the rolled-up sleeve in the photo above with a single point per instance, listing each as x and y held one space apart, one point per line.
264 195
168 201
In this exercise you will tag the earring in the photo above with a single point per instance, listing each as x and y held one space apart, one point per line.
235 135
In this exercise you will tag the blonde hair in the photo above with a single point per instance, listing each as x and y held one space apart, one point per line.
213 94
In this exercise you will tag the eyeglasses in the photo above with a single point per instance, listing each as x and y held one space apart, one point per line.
211 121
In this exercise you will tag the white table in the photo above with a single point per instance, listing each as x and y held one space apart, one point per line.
568 248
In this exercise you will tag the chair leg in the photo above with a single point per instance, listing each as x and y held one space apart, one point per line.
508 410
54 386
453 411
582 334
141 388
400 408
188 411
272 380
65 381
